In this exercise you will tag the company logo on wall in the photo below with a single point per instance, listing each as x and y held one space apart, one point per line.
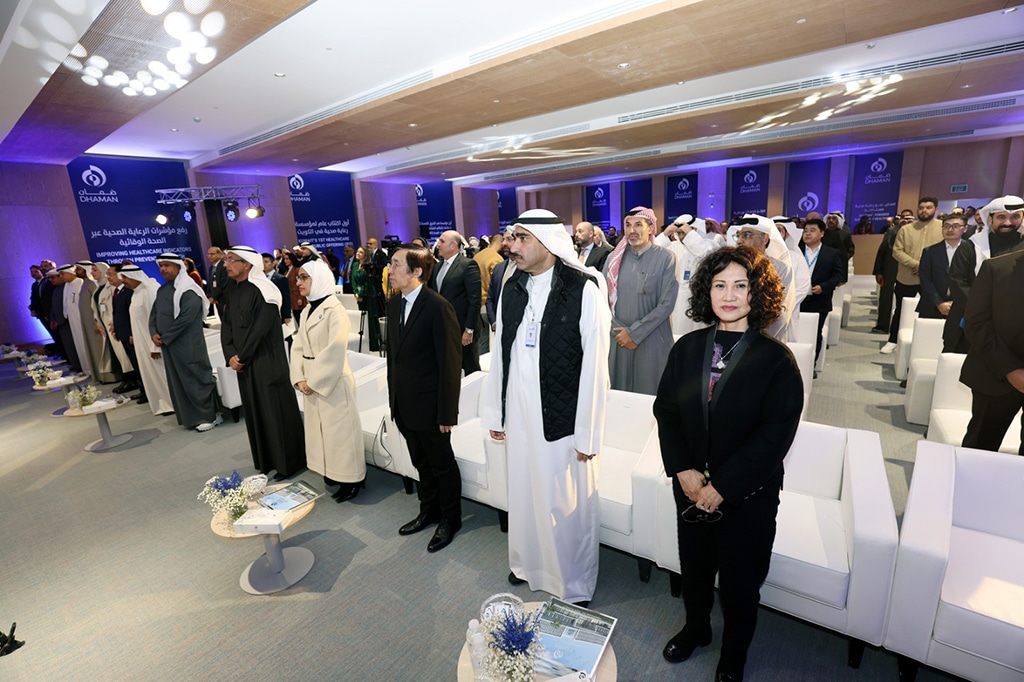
684 184
878 172
808 203
750 184
93 176
599 193
296 184
421 200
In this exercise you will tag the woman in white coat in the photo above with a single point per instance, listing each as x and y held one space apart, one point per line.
320 371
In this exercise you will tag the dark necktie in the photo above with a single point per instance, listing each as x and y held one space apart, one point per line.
401 319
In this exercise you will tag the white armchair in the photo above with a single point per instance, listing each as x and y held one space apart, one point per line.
804 355
923 361
835 543
481 460
951 407
807 332
905 337
958 593
630 472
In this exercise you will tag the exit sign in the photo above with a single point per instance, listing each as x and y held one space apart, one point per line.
958 189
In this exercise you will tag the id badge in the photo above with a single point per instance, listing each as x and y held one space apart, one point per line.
103 307
531 335
686 276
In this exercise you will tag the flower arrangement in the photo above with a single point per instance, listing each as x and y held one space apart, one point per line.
33 359
232 492
8 350
512 645
42 375
79 398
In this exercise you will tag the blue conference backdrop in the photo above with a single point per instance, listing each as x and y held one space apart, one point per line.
435 205
116 199
807 187
596 205
748 190
680 196
875 187
637 193
508 209
324 208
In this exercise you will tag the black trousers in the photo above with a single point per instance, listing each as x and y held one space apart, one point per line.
822 316
900 291
885 304
991 416
738 548
471 355
440 488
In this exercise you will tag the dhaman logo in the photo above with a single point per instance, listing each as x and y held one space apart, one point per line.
94 177
684 184
599 193
808 203
750 178
296 182
750 184
879 166
420 199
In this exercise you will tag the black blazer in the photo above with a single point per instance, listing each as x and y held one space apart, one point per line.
494 291
828 273
934 280
424 362
122 319
218 280
461 287
995 326
597 256
745 431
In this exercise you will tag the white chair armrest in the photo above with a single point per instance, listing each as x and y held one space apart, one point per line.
647 476
923 552
497 471
872 535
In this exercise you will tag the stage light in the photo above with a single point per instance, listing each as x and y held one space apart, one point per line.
254 212
231 211
188 212
162 219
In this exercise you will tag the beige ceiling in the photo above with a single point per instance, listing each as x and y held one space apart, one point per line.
664 43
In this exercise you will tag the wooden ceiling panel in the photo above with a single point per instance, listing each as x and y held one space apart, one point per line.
868 19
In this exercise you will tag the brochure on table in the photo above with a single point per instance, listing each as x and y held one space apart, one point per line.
290 496
574 638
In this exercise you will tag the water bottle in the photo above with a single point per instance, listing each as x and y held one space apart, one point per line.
477 646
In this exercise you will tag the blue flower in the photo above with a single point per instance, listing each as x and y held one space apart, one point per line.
225 485
514 633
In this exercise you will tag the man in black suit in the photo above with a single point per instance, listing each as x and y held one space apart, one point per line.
885 270
828 270
457 278
281 282
424 359
994 366
936 297
592 254
121 303
346 271
219 280
498 279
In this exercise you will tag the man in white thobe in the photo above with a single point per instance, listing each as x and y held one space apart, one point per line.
151 363
759 233
545 397
687 238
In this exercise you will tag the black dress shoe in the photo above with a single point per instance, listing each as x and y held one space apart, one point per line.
444 535
682 646
279 476
419 523
515 580
348 490
121 387
879 330
141 399
585 603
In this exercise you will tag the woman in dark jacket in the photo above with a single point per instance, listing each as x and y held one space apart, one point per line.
727 408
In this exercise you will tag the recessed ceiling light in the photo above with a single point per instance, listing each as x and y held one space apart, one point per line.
680 82
624 65
1009 10
278 74
496 101
174 130
412 125
714 125
801 21
870 46
294 159
197 119
965 86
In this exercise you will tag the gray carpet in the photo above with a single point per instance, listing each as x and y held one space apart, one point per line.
109 566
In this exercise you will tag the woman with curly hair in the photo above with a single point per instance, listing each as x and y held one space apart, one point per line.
727 408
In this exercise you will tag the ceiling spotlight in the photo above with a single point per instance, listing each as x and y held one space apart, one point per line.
1008 10
801 21
231 211
162 219
188 212
412 125
278 74
871 46
624 65
174 130
254 212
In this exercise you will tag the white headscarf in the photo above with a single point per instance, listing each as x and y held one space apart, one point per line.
793 232
87 266
139 275
550 231
271 294
980 238
322 280
698 223
776 250
182 282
